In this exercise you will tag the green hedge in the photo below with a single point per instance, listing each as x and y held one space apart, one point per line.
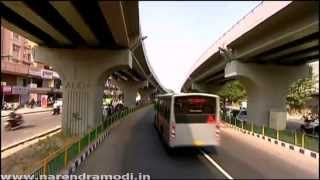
312 143
270 132
292 137
247 126
84 142
56 164
73 151
287 136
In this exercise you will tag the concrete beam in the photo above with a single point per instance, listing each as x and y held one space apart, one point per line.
20 31
267 87
303 20
114 15
23 10
211 70
208 88
72 16
83 73
293 49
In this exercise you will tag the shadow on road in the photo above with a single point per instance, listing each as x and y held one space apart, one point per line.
210 150
26 126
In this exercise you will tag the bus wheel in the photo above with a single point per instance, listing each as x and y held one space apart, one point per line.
170 150
161 132
155 124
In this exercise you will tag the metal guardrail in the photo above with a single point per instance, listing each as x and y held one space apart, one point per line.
297 138
58 160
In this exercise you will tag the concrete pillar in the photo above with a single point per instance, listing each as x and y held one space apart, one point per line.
146 94
83 73
267 88
130 89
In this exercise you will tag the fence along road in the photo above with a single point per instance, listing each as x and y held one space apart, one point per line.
134 146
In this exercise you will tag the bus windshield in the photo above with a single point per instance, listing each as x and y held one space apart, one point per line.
194 109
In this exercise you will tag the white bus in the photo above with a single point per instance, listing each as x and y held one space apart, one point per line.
188 119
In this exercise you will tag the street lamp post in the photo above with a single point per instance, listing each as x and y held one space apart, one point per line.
132 49
138 42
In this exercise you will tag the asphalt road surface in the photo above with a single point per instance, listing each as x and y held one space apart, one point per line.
34 124
135 147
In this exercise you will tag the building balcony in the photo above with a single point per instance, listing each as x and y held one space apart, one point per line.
14 68
35 71
40 89
18 41
44 90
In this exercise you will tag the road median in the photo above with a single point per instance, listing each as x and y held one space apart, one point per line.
35 137
31 112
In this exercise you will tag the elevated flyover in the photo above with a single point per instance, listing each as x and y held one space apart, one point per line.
85 42
267 50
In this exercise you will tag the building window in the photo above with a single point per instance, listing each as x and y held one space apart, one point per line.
25 82
57 83
15 36
37 81
33 51
27 55
15 51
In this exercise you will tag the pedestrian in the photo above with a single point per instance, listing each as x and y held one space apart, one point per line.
32 102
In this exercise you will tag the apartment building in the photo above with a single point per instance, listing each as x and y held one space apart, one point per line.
23 79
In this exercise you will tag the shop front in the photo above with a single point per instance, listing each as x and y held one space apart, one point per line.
5 91
15 95
22 93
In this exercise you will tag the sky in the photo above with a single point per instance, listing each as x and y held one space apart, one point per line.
179 32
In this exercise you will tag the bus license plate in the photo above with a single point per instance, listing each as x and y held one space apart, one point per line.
198 143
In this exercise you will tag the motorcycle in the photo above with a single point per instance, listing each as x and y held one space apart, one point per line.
15 121
56 111
6 106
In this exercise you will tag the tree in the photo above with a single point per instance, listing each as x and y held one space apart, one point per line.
232 91
300 92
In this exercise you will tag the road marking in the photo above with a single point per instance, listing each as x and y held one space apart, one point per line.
215 164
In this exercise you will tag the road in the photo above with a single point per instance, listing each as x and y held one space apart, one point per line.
135 147
247 157
34 124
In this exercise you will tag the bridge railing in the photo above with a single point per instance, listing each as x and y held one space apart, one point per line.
59 160
298 138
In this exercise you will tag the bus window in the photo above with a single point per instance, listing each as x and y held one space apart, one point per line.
195 109
168 103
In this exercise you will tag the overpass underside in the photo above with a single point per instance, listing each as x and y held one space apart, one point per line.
85 42
267 57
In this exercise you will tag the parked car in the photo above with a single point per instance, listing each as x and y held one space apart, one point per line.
242 115
311 127
231 112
